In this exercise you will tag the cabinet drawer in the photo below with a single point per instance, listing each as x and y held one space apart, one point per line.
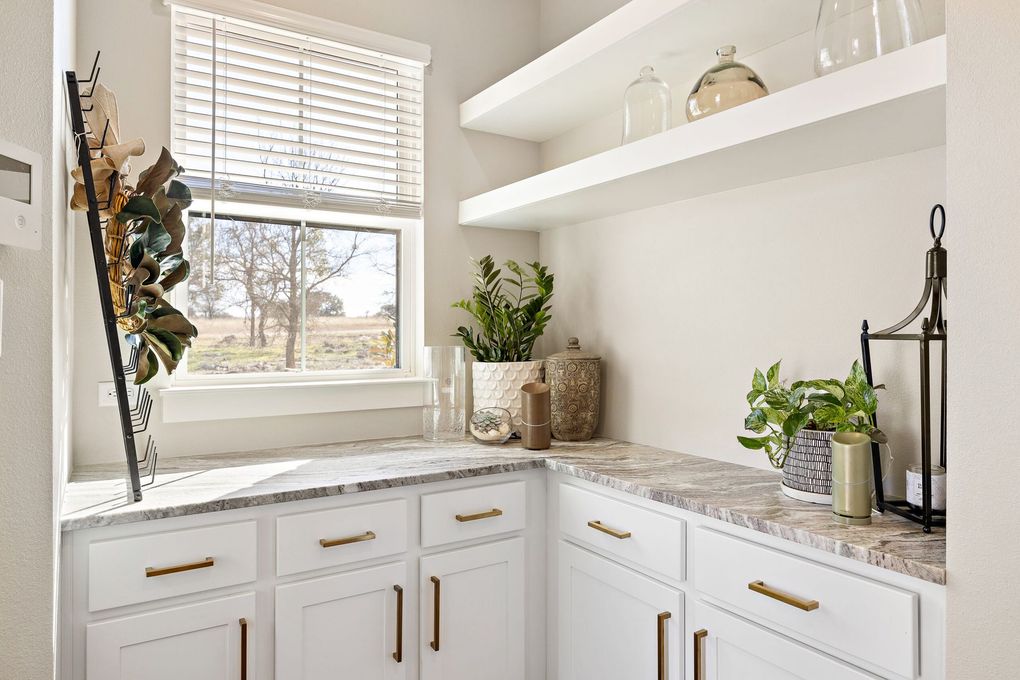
646 538
124 571
868 620
314 540
479 511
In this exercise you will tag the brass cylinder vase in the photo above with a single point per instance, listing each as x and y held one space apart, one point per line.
851 478
575 379
535 431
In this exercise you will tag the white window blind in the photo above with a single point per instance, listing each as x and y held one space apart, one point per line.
269 115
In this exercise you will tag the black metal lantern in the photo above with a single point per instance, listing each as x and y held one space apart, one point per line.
933 329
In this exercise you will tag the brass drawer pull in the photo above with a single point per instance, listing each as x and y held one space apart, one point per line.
244 648
398 655
347 540
163 571
599 526
435 614
762 589
661 642
699 659
495 512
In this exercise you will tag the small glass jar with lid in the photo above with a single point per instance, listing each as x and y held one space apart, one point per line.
647 107
727 84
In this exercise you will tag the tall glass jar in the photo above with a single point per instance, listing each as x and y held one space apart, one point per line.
443 413
727 84
849 32
647 107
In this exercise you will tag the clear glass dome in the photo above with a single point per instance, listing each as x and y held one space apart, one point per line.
647 107
727 84
849 32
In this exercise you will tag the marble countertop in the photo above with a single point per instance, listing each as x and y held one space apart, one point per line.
736 494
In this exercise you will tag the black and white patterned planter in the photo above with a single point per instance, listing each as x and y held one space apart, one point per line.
807 473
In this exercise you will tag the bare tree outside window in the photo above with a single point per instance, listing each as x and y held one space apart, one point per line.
286 297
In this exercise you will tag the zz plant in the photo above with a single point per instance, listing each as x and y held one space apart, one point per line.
511 311
779 412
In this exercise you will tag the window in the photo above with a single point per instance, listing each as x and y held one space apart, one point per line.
305 158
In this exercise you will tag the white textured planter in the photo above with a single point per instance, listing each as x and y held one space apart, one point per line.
499 384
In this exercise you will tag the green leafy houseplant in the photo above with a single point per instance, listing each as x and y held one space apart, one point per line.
511 311
779 413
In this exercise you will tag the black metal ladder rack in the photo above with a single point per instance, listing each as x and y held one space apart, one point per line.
134 418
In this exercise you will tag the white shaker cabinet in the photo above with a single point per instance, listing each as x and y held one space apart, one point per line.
345 625
615 623
203 641
472 613
726 647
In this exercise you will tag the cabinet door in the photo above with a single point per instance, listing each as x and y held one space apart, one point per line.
614 623
732 648
472 613
201 641
343 626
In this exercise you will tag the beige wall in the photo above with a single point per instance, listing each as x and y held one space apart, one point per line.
34 49
983 148
474 43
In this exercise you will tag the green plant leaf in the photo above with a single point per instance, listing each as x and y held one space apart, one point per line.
148 365
155 238
773 374
754 443
758 382
138 207
795 422
165 341
756 421
179 192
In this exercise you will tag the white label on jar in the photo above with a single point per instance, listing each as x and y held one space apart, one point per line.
915 493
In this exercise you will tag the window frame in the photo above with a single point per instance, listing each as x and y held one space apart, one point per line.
410 275
409 295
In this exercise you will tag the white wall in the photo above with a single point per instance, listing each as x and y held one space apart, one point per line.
563 18
684 300
474 43
983 153
34 47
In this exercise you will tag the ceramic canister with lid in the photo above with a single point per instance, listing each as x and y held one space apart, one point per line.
575 381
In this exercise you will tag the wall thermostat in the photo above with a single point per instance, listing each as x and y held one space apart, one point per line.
20 197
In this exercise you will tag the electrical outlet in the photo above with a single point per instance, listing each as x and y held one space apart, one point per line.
108 393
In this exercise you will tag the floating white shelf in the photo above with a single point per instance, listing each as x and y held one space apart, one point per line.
585 76
885 107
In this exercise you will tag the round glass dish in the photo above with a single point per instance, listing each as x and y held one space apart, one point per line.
491 425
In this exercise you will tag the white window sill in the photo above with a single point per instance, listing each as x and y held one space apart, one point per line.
189 404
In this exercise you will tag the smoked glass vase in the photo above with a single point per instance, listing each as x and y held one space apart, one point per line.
849 32
727 84
647 107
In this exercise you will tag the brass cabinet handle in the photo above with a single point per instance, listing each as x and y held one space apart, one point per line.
762 589
599 526
661 641
435 614
176 569
495 512
347 540
699 660
398 655
244 648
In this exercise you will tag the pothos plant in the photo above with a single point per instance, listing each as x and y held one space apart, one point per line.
144 253
511 311
779 413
